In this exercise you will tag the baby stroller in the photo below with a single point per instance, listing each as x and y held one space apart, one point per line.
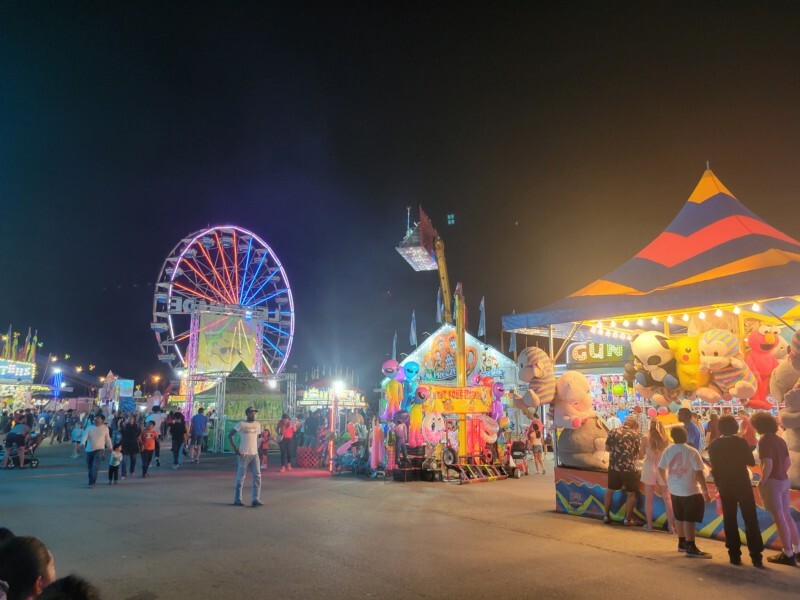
518 455
31 461
347 461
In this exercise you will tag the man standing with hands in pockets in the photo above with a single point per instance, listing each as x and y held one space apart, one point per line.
247 453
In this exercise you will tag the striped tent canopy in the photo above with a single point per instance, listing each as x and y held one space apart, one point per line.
715 253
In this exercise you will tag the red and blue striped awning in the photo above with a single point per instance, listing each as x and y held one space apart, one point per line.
715 252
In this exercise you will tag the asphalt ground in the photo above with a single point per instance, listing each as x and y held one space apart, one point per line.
176 535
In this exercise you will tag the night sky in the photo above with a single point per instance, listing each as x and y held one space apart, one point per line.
563 136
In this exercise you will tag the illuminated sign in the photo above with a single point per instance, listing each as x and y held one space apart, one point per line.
587 353
323 397
12 371
183 306
458 400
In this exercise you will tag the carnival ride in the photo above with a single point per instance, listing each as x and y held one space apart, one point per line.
473 445
223 297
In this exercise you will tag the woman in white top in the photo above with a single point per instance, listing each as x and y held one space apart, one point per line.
655 442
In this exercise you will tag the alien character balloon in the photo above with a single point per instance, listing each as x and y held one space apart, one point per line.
394 389
415 437
410 386
497 405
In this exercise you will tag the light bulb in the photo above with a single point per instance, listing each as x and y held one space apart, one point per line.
626 323
613 324
755 307
640 322
736 310
685 317
593 329
669 319
718 313
702 315
654 321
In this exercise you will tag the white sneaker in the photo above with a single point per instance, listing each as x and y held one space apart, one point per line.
283 469
263 468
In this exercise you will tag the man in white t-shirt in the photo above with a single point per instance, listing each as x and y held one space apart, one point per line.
247 451
682 468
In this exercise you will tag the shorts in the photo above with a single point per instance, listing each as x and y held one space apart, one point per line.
536 449
689 508
196 440
620 479
15 438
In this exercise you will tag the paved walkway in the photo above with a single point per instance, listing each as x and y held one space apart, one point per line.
175 535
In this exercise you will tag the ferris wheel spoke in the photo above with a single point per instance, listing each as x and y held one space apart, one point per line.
193 292
226 297
237 290
221 254
275 329
269 341
270 297
186 334
244 272
255 275
261 287
220 295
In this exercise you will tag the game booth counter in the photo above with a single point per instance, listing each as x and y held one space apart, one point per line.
706 308
447 411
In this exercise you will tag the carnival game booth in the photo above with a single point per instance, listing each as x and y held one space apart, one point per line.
702 307
228 395
340 404
454 431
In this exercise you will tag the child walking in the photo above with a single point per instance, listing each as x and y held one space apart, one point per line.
113 464
263 447
77 436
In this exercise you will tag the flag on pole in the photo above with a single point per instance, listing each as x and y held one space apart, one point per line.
7 347
27 345
394 346
482 323
14 347
439 306
512 344
412 335
32 348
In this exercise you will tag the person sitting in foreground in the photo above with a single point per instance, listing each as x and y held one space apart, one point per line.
71 587
26 566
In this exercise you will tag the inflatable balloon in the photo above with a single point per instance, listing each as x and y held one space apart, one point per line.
618 389
651 412
622 414
475 379
487 381
422 395
401 374
433 428
498 389
503 422
390 368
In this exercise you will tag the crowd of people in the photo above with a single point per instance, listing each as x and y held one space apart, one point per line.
128 437
679 470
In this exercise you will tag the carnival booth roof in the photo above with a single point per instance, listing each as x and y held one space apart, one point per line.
715 252
239 381
436 356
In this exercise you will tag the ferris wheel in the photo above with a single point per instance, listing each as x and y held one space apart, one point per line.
222 296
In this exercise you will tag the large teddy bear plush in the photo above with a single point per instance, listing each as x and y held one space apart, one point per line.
655 361
790 419
536 369
721 356
582 441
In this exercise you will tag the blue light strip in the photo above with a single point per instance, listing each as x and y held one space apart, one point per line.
258 270
246 266
270 297
266 339
57 379
278 329
254 294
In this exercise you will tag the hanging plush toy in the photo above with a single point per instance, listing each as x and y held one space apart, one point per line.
573 404
410 386
394 389
583 437
657 364
687 356
730 375
762 341
536 369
